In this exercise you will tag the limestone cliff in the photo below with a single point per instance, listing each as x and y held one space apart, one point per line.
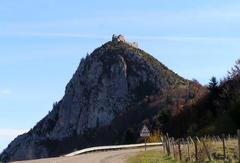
108 81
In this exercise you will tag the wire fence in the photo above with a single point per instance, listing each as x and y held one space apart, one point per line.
207 148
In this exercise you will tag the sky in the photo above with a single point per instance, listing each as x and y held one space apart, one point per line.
43 41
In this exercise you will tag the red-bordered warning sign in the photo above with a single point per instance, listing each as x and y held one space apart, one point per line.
145 131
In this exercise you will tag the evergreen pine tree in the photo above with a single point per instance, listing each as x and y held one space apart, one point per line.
213 85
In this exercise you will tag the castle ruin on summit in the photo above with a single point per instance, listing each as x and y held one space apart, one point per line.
120 38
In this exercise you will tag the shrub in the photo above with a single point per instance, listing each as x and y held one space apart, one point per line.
155 137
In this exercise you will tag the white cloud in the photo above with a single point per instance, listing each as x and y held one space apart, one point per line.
5 92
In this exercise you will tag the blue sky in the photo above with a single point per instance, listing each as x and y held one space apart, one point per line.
42 42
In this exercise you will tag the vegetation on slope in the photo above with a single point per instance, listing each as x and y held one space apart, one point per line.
121 47
215 113
212 110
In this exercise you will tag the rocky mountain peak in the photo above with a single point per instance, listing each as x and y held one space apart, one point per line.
106 82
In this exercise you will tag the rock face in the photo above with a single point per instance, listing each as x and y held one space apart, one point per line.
105 84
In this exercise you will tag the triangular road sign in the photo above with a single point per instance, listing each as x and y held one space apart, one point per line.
145 131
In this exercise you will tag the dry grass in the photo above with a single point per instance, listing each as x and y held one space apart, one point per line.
151 157
215 149
214 146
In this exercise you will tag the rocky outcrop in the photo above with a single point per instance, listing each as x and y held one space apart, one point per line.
113 77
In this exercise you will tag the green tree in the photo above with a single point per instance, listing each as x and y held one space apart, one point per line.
235 71
213 85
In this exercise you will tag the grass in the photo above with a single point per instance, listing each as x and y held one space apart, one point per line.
215 149
151 157
160 157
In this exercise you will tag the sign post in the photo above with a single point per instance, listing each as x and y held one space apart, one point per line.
145 133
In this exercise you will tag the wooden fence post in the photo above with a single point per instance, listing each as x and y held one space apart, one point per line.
206 150
145 142
164 145
238 134
173 147
168 145
179 150
188 150
196 149
224 147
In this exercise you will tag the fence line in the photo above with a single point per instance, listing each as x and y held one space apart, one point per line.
207 148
